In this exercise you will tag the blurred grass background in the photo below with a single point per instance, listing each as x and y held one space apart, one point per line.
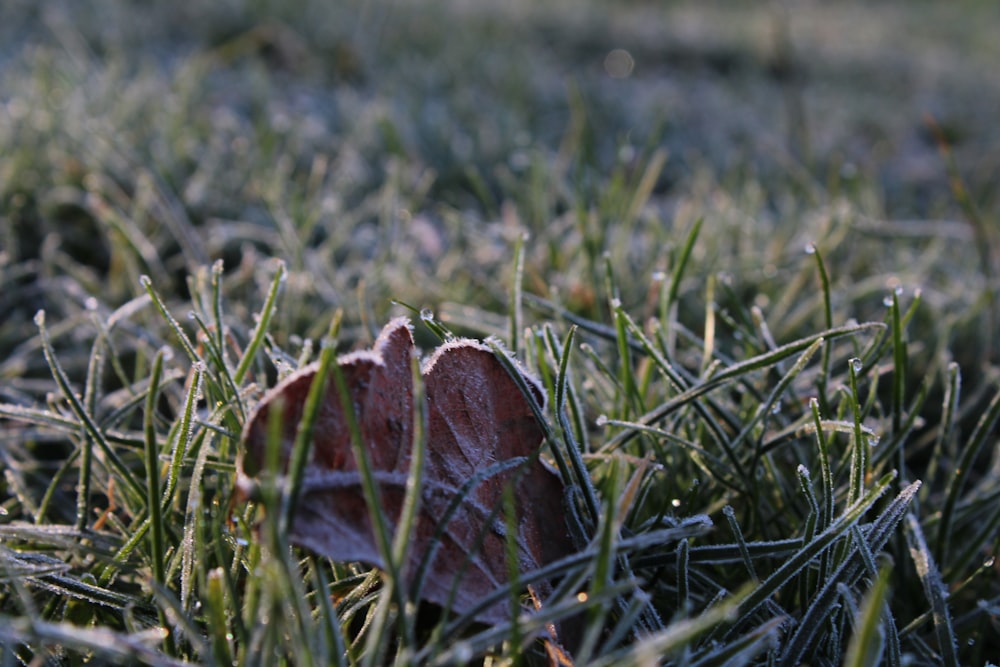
399 151
432 134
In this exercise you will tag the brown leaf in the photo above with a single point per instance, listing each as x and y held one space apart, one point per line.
477 418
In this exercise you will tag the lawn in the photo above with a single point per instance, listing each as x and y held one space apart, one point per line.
748 251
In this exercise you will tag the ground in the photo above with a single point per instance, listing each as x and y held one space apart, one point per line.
731 202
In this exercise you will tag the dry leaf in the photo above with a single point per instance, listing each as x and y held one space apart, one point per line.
477 417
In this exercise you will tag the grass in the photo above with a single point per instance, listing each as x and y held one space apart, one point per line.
770 360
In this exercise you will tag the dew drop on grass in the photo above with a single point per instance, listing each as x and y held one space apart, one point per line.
91 303
810 248
776 408
873 441
989 562
659 276
427 315
602 420
463 652
856 364
676 502
887 302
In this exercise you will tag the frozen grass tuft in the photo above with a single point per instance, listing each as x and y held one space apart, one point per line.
773 400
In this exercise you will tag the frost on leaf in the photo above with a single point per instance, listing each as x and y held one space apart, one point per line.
477 419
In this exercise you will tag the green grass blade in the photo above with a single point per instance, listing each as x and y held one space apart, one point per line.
822 604
859 443
671 295
218 624
263 322
92 387
734 526
604 561
516 301
91 427
157 532
407 523
824 374
794 565
302 446
102 642
511 367
899 356
764 360
375 645
175 326
220 328
675 637
744 649
184 433
867 643
564 390
934 590
946 429
328 619
963 467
